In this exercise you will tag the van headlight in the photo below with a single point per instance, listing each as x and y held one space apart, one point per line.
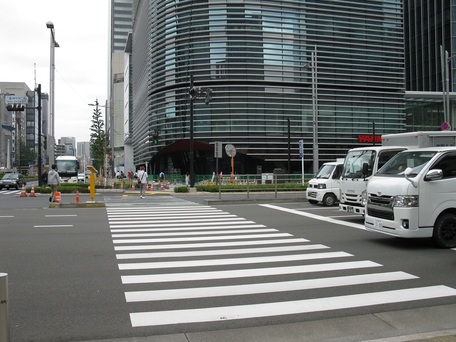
405 201
364 198
321 186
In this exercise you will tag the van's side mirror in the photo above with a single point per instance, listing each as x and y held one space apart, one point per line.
433 175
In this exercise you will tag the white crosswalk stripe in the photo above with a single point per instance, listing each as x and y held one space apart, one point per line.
182 253
7 192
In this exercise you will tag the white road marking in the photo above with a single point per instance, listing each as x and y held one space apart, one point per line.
209 244
217 314
232 225
257 250
231 261
54 226
218 232
316 217
181 224
172 218
237 237
245 273
273 287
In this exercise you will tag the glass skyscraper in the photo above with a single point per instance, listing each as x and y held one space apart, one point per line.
429 28
256 57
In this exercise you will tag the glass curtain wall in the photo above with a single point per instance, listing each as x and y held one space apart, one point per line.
256 58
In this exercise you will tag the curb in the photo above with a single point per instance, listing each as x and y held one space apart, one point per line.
78 205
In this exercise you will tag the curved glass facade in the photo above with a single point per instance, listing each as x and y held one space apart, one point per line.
256 58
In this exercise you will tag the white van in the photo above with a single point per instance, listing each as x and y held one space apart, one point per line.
414 196
324 187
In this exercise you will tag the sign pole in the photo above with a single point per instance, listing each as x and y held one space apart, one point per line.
301 155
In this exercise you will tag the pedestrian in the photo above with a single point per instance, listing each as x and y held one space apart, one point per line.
142 181
161 176
44 177
53 180
187 179
213 176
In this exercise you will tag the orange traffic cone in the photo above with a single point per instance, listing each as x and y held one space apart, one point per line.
32 192
132 185
23 192
77 197
162 187
57 197
112 186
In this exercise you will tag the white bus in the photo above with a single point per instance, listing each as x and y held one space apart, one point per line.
67 167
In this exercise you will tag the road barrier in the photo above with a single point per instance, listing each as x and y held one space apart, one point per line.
4 321
23 192
32 192
57 197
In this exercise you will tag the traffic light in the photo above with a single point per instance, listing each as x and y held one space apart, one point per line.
16 107
155 138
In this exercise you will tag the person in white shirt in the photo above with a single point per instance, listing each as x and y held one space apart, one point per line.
142 180
53 181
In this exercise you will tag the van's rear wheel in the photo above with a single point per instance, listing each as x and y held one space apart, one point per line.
444 233
329 200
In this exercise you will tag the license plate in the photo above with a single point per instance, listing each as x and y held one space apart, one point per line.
378 224
350 209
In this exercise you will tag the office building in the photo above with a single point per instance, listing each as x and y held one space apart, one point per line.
256 57
121 26
13 125
429 35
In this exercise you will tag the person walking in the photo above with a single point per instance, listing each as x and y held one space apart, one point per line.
161 176
142 180
53 179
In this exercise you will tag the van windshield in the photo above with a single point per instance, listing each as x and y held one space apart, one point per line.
325 171
353 166
413 159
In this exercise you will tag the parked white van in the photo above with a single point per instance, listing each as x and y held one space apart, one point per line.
324 187
414 196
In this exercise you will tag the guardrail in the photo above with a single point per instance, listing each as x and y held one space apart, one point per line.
249 184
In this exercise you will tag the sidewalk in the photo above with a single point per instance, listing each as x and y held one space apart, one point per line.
432 324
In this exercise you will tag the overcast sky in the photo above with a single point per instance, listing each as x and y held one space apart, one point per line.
81 61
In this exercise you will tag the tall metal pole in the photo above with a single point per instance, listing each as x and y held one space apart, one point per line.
39 135
192 170
289 146
447 82
53 44
315 109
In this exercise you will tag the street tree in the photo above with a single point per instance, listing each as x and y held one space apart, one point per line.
98 140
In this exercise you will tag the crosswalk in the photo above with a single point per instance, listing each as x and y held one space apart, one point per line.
7 192
184 263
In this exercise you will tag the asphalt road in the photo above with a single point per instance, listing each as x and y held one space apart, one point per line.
168 265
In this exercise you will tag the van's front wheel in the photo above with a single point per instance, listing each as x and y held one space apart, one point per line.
329 200
444 233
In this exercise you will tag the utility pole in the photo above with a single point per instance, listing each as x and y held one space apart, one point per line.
39 135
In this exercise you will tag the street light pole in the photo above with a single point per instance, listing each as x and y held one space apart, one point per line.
192 170
195 92
54 44
315 108
38 90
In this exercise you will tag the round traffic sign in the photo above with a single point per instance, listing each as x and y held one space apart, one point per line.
445 126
